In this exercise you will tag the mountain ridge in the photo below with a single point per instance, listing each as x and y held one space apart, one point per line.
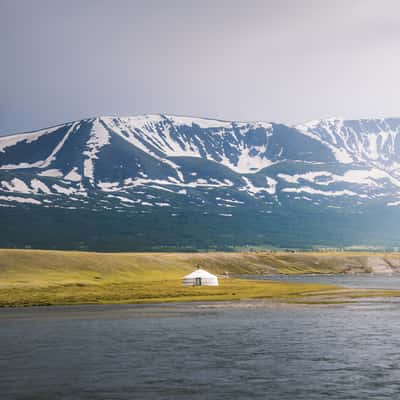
170 166
200 117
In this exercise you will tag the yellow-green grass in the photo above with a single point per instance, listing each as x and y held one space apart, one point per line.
36 277
169 290
42 267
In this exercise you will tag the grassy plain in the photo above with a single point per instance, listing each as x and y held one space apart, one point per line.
39 277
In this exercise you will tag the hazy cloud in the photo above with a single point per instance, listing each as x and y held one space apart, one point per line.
282 60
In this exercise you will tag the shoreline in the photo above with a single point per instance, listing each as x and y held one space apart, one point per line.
40 278
235 291
135 310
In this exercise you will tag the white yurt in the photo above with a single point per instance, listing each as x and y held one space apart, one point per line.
200 277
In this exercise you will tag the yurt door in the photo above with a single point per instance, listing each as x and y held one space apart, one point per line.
198 282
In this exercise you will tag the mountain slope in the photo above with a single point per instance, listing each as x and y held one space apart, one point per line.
158 180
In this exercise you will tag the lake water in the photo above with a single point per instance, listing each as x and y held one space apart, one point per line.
227 351
370 281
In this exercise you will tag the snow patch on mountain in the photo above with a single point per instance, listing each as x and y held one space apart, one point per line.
55 173
341 154
73 175
17 199
99 137
366 140
59 146
63 190
393 203
203 123
29 137
271 185
335 193
158 137
38 186
17 185
367 177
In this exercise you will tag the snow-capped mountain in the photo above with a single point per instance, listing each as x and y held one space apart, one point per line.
166 167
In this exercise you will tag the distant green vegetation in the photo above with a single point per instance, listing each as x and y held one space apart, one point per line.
183 227
38 277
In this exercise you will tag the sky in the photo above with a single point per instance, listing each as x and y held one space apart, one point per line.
285 61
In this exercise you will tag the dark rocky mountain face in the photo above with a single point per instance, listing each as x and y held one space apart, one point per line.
157 181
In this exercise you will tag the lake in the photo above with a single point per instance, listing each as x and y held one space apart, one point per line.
224 350
370 281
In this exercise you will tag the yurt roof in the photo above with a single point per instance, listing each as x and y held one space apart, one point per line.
200 273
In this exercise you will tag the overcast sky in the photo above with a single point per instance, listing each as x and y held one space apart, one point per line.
274 60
